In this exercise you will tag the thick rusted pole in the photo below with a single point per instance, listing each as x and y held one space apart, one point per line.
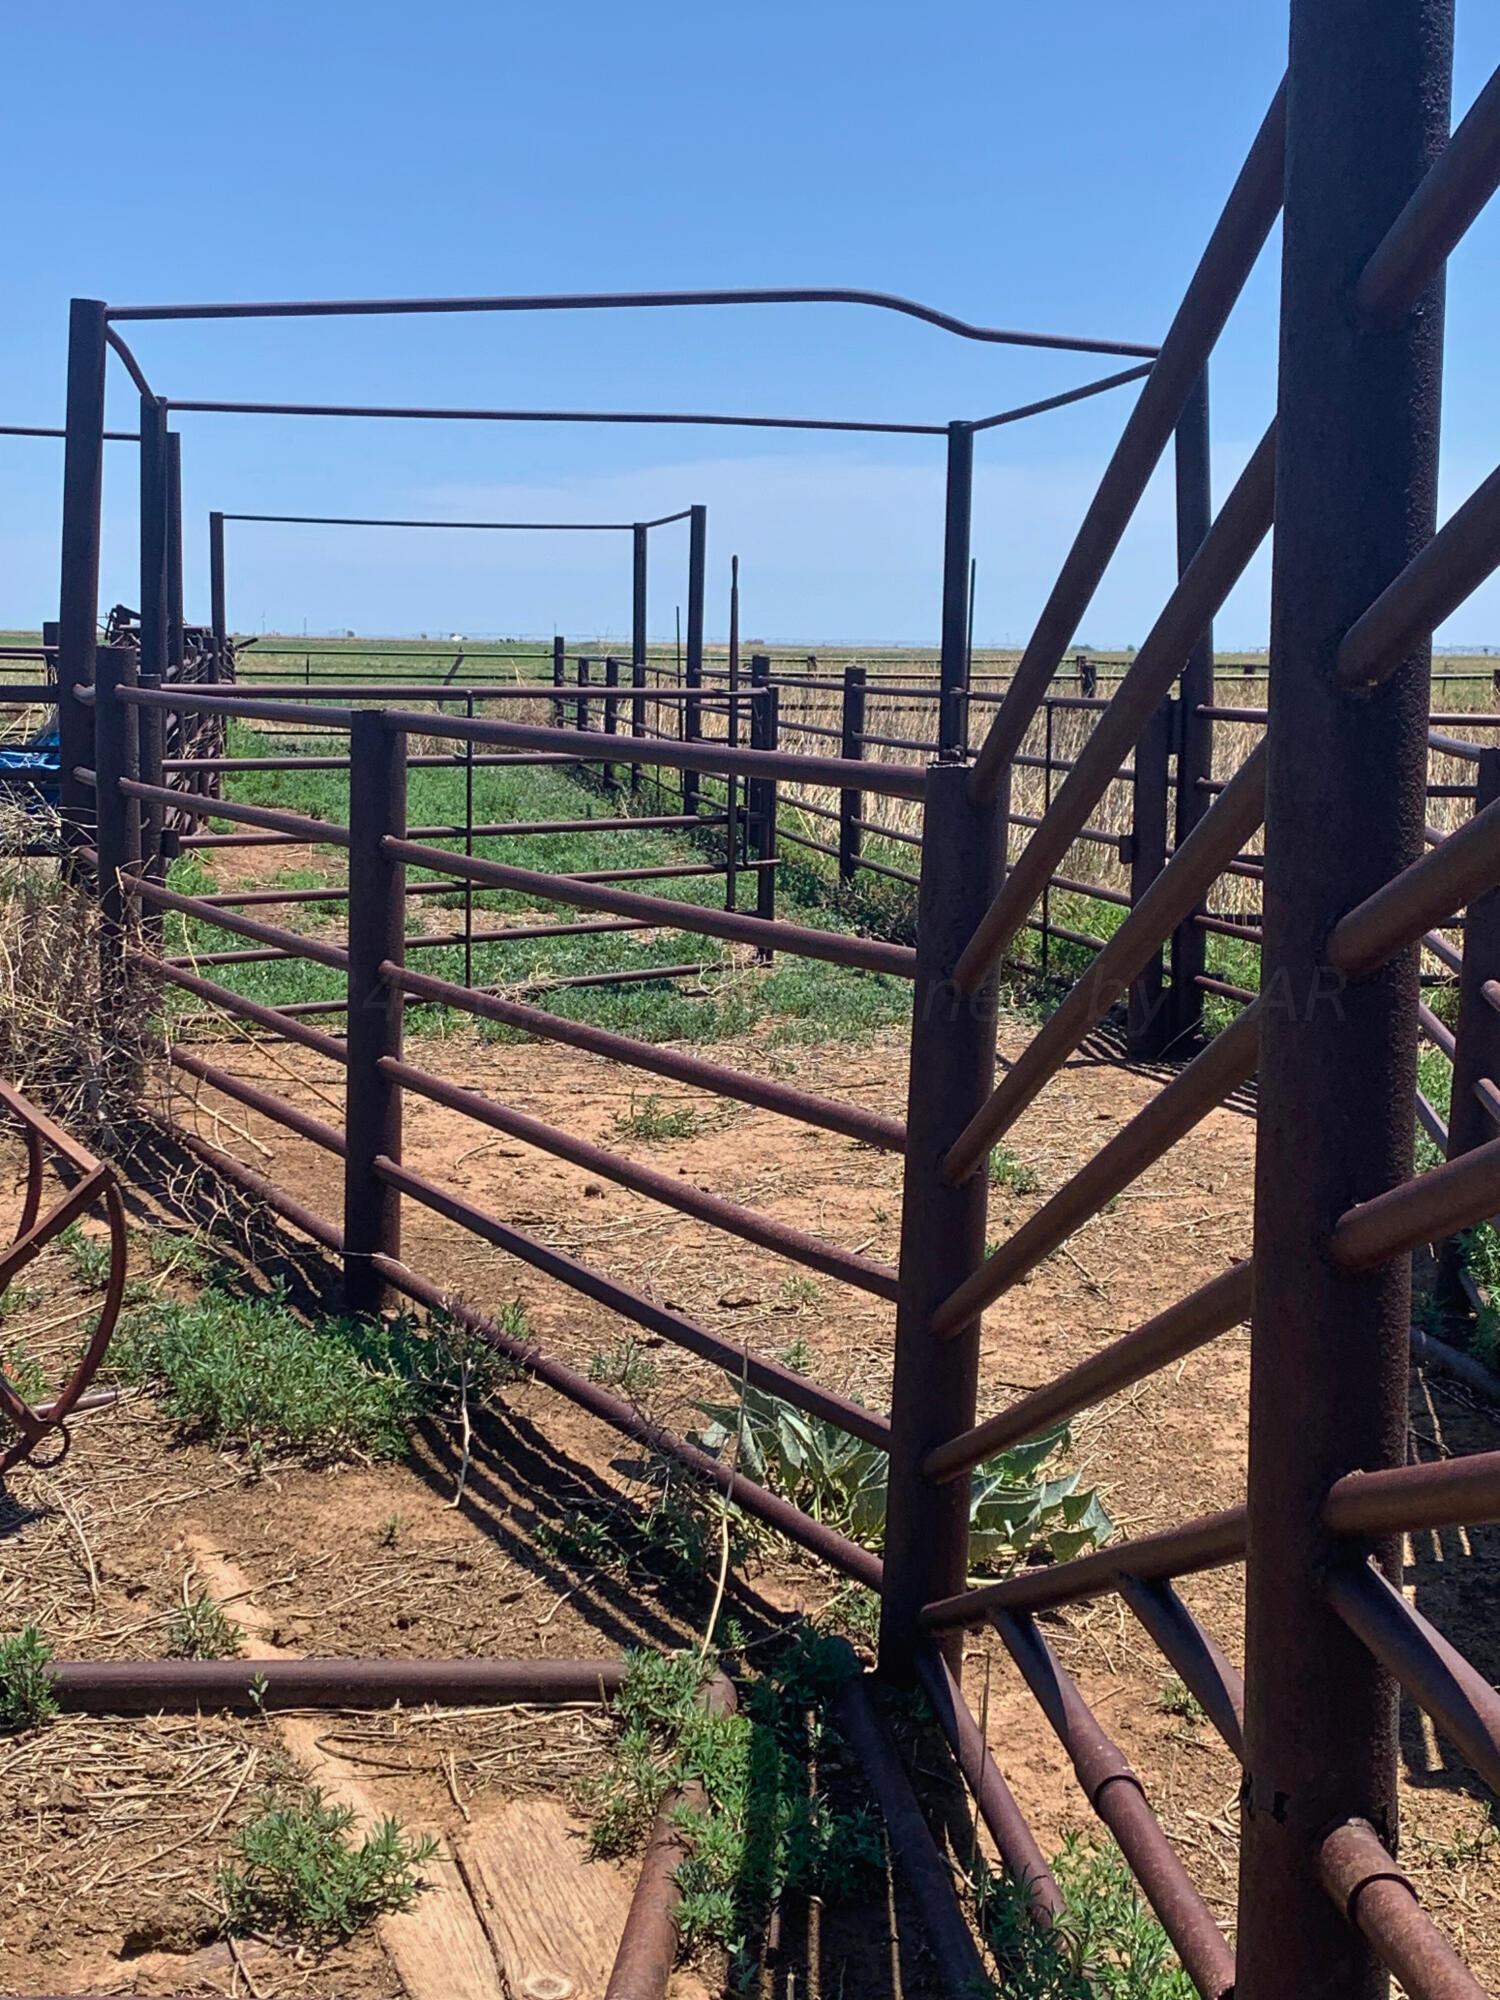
942 1226
692 717
559 676
1356 494
1195 732
155 495
117 815
174 551
216 602
953 662
1147 1020
78 602
377 929
851 749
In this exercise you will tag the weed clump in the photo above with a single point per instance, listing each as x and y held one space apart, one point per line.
298 1874
253 1374
26 1696
198 1630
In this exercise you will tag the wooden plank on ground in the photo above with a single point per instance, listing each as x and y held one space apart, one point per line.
554 1917
439 1946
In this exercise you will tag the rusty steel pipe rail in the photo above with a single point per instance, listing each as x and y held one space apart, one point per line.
616 301
1229 822
1241 526
1118 1797
316 1130
1419 899
1020 1855
1216 1685
1357 1870
842 1555
177 1687
735 1359
327 1235
1211 1541
1434 584
1178 1106
865 954
670 1189
868 1128
1233 247
236 1004
1400 1499
191 699
1452 1196
895 781
1442 206
1178 1330
292 943
1465 1708
924 1868
650 1941
300 827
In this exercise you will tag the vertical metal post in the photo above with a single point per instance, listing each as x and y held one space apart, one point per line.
637 715
155 499
469 843
1146 1034
692 720
765 881
117 817
174 555
559 677
1356 490
1195 732
1047 728
216 603
611 716
78 596
1476 1052
760 793
377 927
942 1227
851 748
640 538
953 663
581 715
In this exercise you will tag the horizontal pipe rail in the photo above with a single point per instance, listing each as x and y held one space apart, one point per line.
1452 1196
190 699
271 819
673 1190
1220 834
221 997
1436 1675
1357 1870
316 1130
1190 1323
1241 526
1211 1541
177 1687
1400 1499
292 943
1421 898
865 954
735 1359
1118 1797
1225 1064
260 1188
842 1555
867 1128
897 781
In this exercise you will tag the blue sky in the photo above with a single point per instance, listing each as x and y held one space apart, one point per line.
1054 167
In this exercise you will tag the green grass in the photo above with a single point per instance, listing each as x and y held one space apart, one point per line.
805 1002
26 1697
252 1374
297 1872
1107 1946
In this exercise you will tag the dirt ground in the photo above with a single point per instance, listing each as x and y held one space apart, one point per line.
113 1885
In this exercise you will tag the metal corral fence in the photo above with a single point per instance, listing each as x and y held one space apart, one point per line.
1336 795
